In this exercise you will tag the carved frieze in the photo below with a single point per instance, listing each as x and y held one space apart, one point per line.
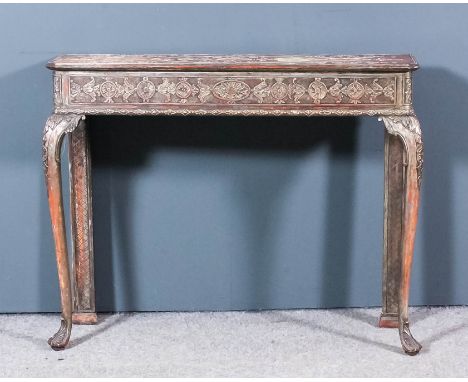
244 90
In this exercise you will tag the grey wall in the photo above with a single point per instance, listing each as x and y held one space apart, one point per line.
225 213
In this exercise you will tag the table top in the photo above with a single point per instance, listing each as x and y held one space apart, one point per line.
233 63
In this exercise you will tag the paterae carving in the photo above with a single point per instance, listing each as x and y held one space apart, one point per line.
233 89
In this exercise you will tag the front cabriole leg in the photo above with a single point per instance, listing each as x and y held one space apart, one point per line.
56 127
408 130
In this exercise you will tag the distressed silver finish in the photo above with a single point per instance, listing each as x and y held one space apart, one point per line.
240 85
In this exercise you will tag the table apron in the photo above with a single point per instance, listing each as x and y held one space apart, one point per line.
240 93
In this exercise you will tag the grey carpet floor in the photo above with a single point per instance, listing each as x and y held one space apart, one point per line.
298 343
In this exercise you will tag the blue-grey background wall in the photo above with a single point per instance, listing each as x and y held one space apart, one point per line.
231 213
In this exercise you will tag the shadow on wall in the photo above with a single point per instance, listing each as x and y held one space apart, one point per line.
119 142
440 102
445 141
445 137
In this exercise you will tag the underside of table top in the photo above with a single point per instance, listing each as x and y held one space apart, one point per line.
249 62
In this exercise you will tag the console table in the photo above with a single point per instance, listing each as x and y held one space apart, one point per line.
241 85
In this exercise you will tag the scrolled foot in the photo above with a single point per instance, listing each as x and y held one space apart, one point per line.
410 345
60 339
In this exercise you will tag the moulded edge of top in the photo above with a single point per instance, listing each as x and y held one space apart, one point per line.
234 63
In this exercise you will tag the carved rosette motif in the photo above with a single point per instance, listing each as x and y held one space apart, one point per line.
184 90
145 89
317 90
355 90
243 90
231 90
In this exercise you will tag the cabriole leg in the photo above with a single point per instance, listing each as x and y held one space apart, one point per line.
55 129
408 130
82 227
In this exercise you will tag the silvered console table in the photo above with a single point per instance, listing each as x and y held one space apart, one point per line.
240 85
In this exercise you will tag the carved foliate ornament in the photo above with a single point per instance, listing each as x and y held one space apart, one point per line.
59 125
408 89
401 126
167 88
261 91
245 90
204 91
336 90
296 91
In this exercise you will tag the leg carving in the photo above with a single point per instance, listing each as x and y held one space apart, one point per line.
393 214
82 227
55 129
408 130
